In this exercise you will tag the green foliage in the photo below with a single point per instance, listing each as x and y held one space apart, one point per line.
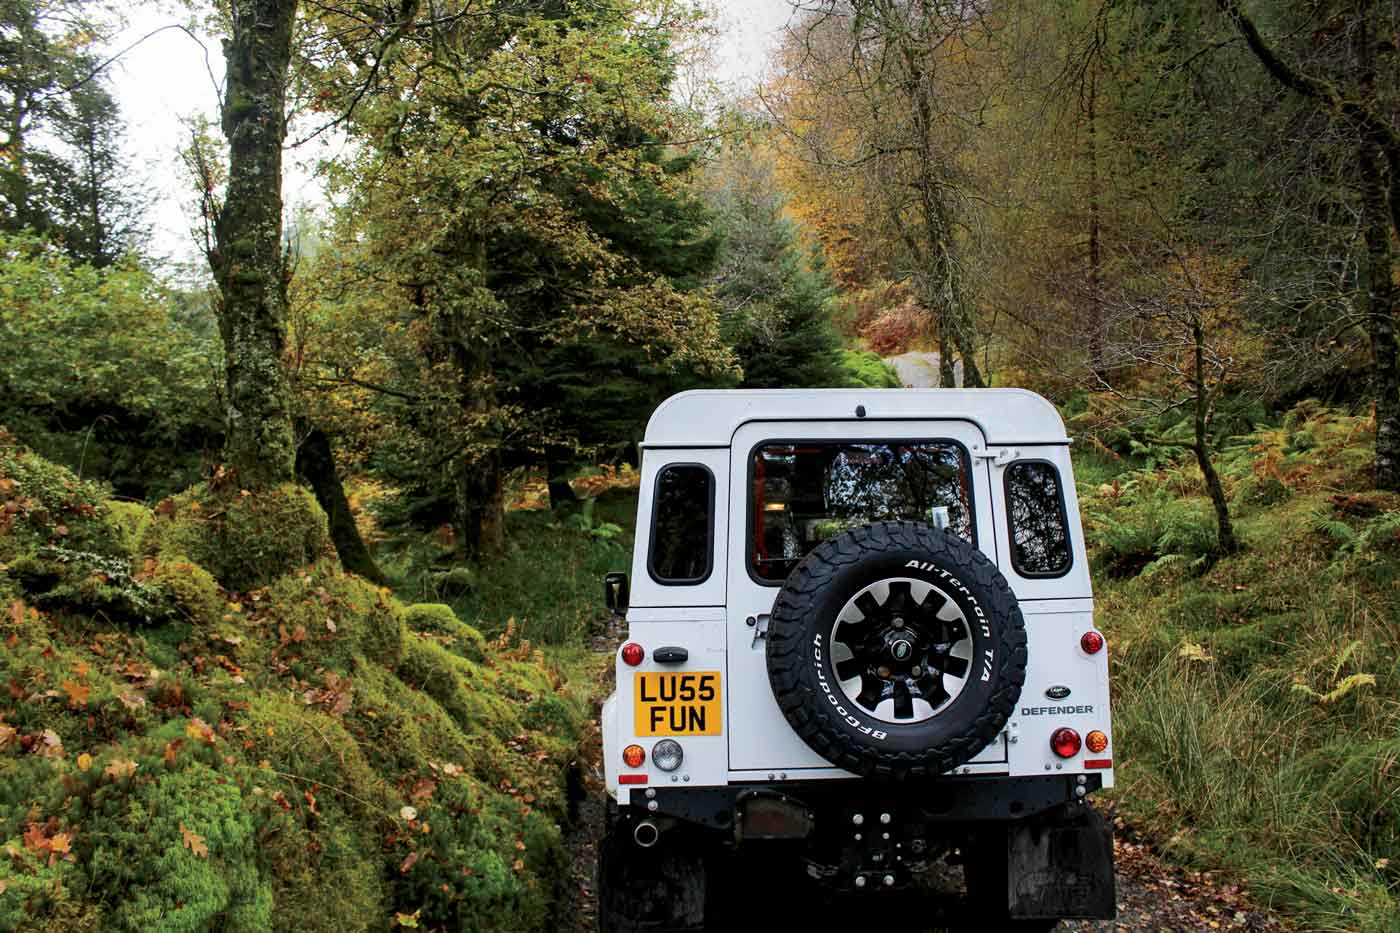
1218 673
245 540
866 369
112 379
548 583
777 294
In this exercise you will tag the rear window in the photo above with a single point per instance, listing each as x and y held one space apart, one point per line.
804 493
1035 507
682 524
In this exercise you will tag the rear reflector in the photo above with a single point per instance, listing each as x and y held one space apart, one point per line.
631 779
1098 762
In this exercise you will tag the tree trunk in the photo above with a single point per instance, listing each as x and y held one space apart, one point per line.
480 523
947 374
1097 348
1378 299
557 472
247 260
316 463
1226 542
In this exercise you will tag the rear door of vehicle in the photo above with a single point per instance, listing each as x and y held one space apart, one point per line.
761 743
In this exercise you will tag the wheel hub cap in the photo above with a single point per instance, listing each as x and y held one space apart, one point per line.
901 649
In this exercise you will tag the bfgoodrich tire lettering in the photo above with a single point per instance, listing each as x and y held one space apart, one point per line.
802 672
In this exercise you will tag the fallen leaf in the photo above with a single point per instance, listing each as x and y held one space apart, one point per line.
77 693
1191 651
194 842
409 862
200 730
120 768
423 789
17 612
50 745
61 842
61 530
409 813
84 761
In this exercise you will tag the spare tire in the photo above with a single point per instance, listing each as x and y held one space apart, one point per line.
896 649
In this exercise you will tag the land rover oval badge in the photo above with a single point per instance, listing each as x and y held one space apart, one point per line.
1057 692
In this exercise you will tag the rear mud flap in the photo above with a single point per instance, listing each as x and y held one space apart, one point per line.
1060 864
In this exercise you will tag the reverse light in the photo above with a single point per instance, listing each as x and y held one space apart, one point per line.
634 755
1096 742
1064 741
1091 642
633 653
667 754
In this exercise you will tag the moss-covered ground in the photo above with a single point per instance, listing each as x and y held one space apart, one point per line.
206 725
1257 697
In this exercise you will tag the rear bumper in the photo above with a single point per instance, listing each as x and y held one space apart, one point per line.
938 800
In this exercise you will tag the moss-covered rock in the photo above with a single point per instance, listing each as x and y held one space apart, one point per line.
191 592
128 521
245 540
439 622
335 618
181 851
44 505
326 869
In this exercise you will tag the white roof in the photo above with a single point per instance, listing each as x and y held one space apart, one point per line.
709 417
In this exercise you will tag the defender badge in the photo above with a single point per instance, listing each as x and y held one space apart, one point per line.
1057 692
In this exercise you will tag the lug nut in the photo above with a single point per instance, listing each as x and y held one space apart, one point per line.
860 881
897 622
917 671
858 819
885 819
889 881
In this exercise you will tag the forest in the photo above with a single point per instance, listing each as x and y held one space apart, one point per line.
277 651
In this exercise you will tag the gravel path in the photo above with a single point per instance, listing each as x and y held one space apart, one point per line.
920 370
1152 895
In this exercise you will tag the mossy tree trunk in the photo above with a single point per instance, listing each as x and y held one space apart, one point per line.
247 259
315 462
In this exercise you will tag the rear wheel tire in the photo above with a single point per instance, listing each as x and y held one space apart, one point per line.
661 888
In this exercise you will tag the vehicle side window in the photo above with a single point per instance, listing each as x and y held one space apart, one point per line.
682 524
1035 507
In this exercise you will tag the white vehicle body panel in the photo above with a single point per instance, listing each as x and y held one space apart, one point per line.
719 430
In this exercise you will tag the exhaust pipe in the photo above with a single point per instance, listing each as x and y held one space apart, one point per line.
646 834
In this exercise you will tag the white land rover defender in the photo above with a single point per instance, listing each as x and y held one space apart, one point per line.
860 634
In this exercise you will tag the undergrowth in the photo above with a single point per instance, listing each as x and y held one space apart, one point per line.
1257 698
206 725
548 587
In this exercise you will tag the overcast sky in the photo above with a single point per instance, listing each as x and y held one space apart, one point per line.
167 79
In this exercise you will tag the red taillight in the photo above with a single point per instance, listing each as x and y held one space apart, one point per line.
634 755
633 653
1091 642
1065 742
1096 742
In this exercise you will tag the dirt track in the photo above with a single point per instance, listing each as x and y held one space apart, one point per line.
1152 895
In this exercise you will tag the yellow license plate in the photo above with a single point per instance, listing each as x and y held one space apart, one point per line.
681 703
